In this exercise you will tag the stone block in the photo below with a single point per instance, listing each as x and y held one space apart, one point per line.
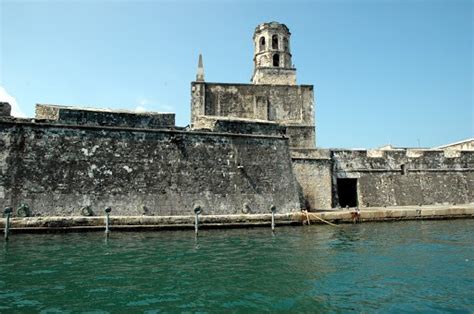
5 109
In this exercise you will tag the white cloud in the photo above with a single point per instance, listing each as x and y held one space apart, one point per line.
140 109
142 103
6 97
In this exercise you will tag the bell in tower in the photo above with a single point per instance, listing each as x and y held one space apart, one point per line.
272 57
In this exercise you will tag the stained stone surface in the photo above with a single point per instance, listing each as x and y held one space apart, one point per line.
58 169
429 176
104 117
292 107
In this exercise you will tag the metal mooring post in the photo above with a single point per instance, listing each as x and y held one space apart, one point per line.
197 211
7 212
107 218
273 210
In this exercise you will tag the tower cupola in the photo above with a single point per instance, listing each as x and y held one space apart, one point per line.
272 56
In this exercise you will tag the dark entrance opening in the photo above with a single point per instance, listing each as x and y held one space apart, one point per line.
347 192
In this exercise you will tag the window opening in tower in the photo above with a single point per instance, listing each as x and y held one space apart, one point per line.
276 60
262 43
275 42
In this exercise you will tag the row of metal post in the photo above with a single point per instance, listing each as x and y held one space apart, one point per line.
197 211
8 211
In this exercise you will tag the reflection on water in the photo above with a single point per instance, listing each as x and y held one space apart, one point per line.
389 267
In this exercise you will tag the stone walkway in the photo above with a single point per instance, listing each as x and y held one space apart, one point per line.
334 216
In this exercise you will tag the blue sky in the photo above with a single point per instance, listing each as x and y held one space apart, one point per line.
384 72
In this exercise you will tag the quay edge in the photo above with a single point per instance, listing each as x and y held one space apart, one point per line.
143 223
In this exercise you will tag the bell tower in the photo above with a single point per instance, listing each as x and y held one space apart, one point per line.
272 56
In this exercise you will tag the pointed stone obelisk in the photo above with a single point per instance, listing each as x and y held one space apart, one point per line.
200 71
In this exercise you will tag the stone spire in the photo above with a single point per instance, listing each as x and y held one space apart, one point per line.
200 71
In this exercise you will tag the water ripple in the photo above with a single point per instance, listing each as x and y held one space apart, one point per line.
419 266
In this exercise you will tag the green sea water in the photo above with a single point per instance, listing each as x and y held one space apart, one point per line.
417 266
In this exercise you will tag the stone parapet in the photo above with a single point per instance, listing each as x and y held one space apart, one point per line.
317 154
238 126
104 117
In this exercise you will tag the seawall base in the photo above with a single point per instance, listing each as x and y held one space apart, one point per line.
156 223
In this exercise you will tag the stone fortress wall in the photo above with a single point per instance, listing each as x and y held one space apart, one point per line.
385 177
57 169
329 178
248 147
407 177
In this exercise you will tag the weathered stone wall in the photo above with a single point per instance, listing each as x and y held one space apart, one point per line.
300 136
239 126
427 177
313 170
5 109
276 76
290 106
57 169
406 177
198 99
102 117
